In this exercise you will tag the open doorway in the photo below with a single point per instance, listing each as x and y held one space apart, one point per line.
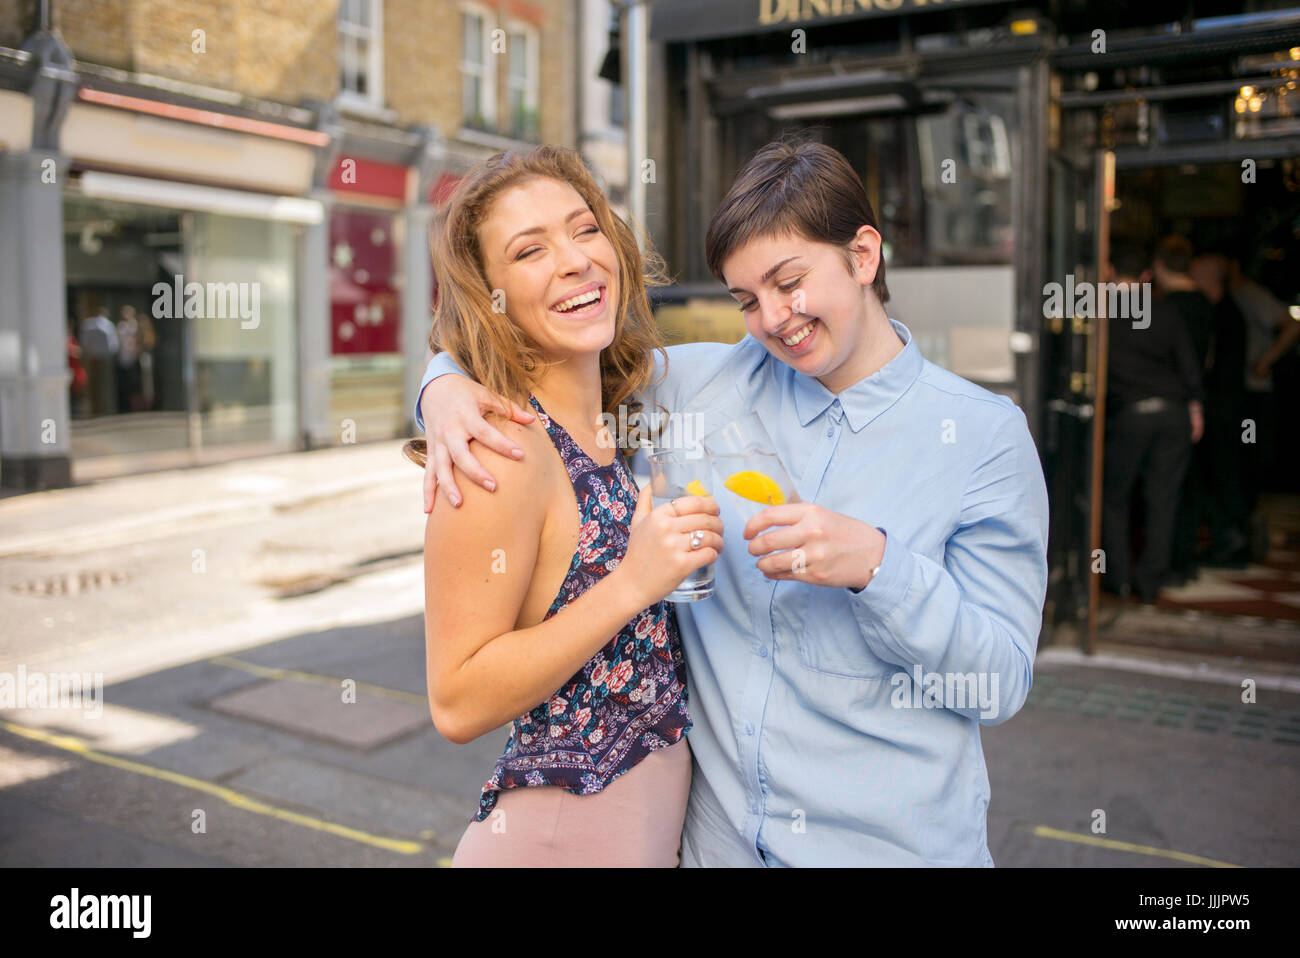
1236 554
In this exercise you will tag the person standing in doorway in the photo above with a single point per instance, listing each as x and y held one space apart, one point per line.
1153 415
1175 286
1219 458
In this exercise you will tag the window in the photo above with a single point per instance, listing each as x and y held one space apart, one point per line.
478 89
522 80
361 51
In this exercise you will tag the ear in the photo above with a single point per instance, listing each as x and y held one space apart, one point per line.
865 252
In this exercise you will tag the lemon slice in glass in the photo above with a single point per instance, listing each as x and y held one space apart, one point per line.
756 487
696 488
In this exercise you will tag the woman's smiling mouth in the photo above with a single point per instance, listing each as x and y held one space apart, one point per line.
800 340
581 305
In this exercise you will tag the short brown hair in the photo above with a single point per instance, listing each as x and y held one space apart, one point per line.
1175 253
808 189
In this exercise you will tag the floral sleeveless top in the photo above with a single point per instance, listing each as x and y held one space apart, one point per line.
630 698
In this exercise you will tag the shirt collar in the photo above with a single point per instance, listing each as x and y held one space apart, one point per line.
864 400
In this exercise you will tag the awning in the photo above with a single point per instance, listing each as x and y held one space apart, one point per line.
673 20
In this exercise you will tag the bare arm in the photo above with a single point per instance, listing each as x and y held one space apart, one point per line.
1287 336
452 408
483 670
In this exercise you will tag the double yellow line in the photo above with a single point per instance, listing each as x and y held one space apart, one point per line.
74 745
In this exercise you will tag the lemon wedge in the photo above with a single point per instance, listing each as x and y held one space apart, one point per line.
756 487
696 488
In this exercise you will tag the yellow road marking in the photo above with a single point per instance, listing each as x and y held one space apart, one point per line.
1042 831
316 678
75 745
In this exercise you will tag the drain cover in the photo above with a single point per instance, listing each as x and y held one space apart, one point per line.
70 583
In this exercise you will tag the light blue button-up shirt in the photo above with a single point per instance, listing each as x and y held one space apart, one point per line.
835 727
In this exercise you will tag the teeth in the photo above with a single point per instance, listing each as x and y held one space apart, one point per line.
799 337
585 298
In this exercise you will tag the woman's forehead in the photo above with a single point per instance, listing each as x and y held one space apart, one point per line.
763 252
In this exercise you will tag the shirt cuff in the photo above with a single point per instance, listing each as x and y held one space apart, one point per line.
886 590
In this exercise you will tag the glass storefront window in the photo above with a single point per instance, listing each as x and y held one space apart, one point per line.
182 334
245 375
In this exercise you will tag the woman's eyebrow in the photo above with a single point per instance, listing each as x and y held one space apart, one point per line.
766 276
539 229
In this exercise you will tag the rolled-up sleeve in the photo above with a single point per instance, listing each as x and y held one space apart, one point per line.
980 611
440 365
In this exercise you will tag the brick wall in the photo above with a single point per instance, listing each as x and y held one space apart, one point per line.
287 50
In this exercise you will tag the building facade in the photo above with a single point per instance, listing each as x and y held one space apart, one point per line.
216 214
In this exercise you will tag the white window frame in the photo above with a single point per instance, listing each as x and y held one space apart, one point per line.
532 68
374 66
486 72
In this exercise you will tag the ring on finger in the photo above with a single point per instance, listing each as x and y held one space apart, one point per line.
674 505
697 539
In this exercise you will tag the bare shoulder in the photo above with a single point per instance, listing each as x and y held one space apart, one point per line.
520 483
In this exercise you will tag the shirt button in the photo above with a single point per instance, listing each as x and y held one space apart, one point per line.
762 652
749 728
830 431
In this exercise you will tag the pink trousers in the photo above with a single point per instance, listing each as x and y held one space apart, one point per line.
635 821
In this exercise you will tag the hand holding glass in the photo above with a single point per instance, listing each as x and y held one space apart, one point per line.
674 474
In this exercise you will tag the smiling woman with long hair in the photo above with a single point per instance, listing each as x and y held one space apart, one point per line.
541 614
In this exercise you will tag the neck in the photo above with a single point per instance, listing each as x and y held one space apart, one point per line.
570 392
1179 283
879 344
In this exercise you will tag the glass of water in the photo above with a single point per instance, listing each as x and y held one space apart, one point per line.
745 459
672 474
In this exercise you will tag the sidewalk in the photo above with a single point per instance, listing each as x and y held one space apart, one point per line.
136 508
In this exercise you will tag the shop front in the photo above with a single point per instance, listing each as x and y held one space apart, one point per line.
990 138
182 327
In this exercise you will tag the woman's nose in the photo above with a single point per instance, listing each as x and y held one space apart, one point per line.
572 258
776 314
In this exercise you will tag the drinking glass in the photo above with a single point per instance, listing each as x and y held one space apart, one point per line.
674 473
745 460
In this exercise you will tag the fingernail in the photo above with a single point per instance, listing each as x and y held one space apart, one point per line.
517 453
455 500
491 486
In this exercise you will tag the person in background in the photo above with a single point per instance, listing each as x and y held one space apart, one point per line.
77 378
1174 285
148 343
128 360
98 347
1153 415
1271 336
1219 457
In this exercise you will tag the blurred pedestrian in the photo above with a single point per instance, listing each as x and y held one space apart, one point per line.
128 360
98 348
1271 335
148 343
1153 415
1219 457
77 377
1174 285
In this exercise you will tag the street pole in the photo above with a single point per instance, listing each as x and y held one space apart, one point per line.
635 29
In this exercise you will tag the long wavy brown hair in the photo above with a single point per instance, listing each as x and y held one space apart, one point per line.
499 354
